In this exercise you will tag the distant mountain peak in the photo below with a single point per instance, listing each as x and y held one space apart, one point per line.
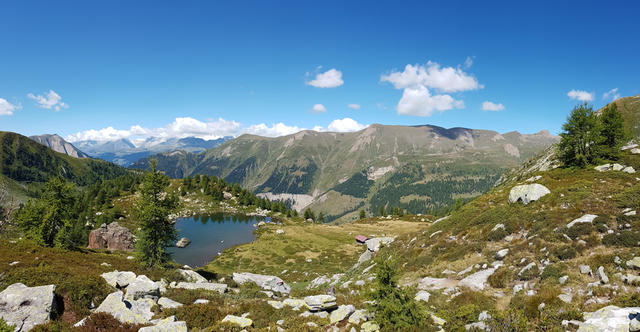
58 144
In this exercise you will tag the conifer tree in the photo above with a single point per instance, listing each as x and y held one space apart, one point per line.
613 132
581 139
152 212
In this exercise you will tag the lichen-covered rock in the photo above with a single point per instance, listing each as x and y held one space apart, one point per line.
210 286
119 279
112 237
26 307
341 313
296 304
634 263
369 327
609 318
527 193
422 295
360 315
192 276
320 302
237 320
266 282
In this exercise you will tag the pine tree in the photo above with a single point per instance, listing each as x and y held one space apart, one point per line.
152 211
362 214
581 139
613 132
320 217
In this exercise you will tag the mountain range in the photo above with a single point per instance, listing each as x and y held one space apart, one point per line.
124 152
418 168
58 144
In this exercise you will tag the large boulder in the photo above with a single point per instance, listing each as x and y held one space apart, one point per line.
112 237
26 307
360 315
210 286
167 303
609 318
266 282
320 302
122 310
527 193
183 242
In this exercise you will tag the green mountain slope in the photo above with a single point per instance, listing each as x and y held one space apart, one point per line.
421 169
27 163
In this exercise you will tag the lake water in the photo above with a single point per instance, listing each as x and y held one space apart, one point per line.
210 234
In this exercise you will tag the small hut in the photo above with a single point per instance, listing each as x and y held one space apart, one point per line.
361 239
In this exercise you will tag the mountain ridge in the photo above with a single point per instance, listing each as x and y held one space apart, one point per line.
58 144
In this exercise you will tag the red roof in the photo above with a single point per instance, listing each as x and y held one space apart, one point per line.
361 238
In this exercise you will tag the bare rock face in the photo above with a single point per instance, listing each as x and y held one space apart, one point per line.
26 307
112 237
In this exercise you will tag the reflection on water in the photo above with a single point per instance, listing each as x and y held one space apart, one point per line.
210 234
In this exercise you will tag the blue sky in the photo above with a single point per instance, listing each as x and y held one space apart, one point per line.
210 68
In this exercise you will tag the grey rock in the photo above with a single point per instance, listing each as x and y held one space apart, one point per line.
266 282
341 313
501 254
422 295
119 279
587 218
183 242
603 276
478 280
210 286
634 263
527 193
566 298
242 322
375 243
586 269
167 303
142 287
609 318
320 302
358 316
137 312
562 280
26 307
192 276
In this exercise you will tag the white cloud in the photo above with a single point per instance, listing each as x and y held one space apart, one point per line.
345 125
278 129
580 95
104 134
431 75
468 62
330 79
489 106
318 108
6 108
50 100
354 106
613 94
417 80
419 102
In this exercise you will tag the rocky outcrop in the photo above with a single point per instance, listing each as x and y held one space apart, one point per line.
58 144
587 218
142 288
375 243
266 282
478 280
527 193
135 312
112 237
26 307
168 324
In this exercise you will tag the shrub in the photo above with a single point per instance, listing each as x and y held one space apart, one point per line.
529 274
580 229
553 271
198 315
497 235
395 307
4 327
565 252
500 278
99 322
622 239
511 320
